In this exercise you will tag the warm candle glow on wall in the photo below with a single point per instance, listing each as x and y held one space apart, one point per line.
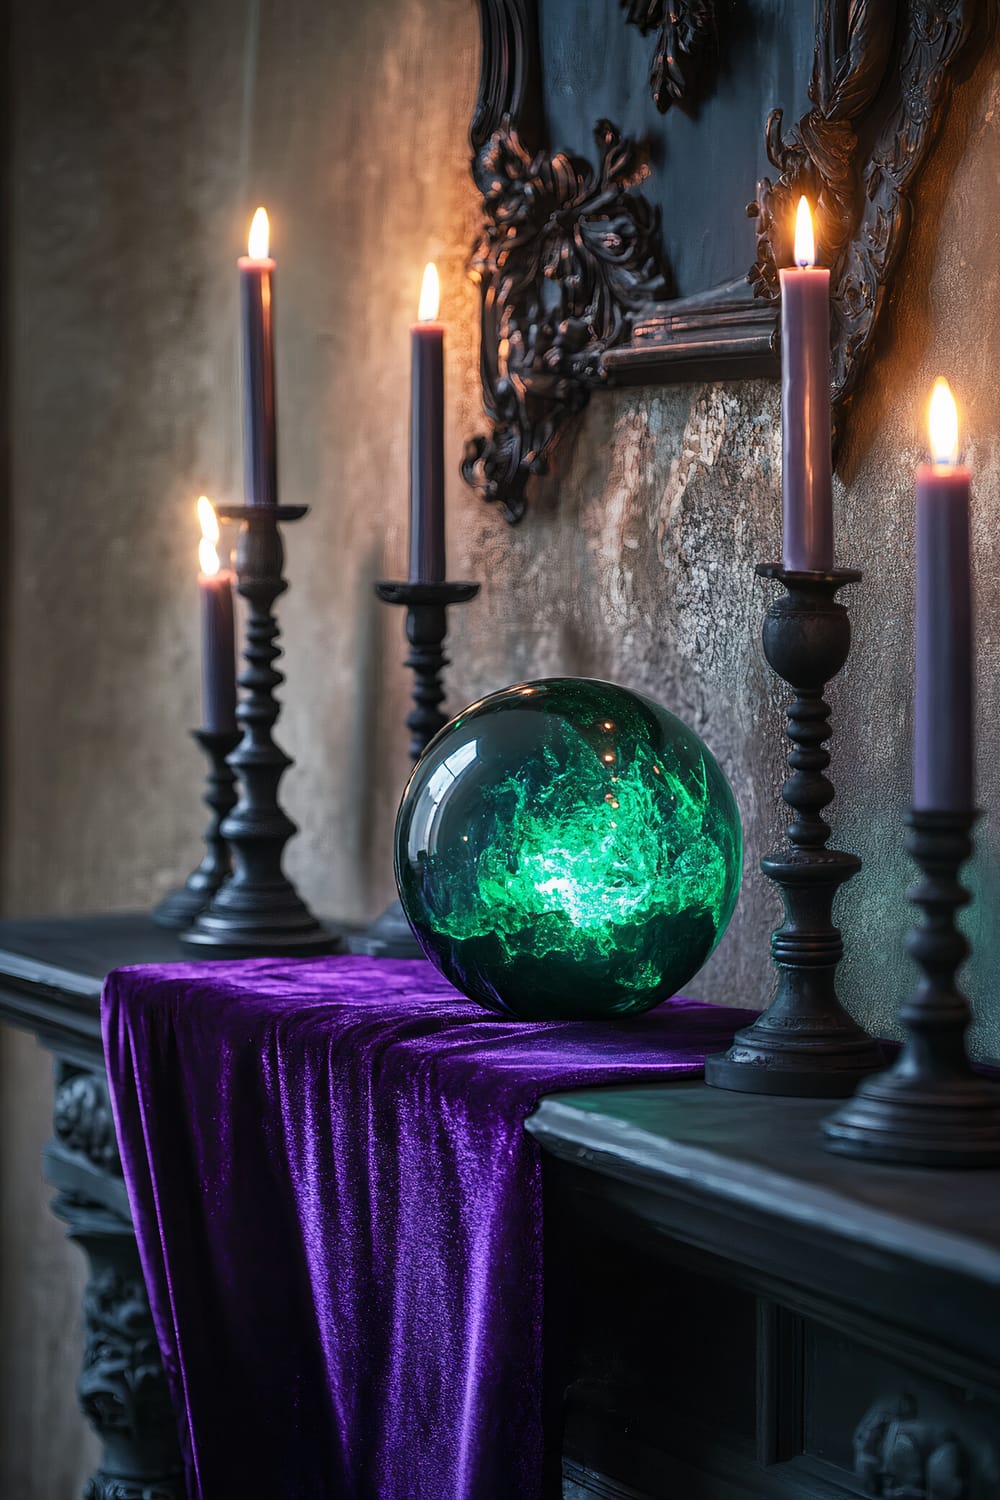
208 557
430 294
259 239
805 239
943 425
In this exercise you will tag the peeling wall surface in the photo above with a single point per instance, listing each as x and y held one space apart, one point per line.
143 133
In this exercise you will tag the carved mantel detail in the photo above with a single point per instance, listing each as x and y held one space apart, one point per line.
685 46
567 258
122 1386
899 1456
83 1120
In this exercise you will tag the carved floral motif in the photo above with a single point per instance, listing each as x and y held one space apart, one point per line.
567 258
122 1386
685 46
83 1121
102 1486
859 196
898 1456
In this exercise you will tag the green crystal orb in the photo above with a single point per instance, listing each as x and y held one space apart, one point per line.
568 849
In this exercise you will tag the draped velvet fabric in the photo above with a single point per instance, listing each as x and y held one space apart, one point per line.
339 1215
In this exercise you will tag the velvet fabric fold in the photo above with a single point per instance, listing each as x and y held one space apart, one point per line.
339 1215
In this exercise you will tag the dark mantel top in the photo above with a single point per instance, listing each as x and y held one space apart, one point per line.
743 1179
52 970
687 1132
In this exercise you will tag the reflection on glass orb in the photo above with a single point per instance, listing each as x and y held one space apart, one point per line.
568 849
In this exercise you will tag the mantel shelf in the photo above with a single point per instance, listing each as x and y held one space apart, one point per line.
836 1303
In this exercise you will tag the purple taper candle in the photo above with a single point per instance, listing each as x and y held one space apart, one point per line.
218 645
806 462
942 737
427 438
260 439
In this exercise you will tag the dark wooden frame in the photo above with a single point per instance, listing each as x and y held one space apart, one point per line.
575 292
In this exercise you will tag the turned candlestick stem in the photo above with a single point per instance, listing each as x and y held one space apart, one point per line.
805 1043
426 627
258 910
426 606
179 908
929 1109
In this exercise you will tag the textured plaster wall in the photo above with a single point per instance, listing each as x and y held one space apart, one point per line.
143 134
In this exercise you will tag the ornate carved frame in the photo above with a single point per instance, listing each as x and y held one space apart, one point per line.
575 291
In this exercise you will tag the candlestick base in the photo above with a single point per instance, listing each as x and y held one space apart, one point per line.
179 908
929 1109
805 1044
258 910
426 606
389 936
221 931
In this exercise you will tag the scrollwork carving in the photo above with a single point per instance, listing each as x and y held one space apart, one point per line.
101 1486
567 258
83 1121
860 197
685 46
122 1386
899 1457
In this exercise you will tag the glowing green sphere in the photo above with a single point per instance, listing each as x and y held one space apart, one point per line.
568 849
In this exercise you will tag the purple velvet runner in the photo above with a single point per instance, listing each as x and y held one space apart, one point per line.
339 1215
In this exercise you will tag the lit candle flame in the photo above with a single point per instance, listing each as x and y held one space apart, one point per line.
208 557
943 424
805 238
259 238
430 294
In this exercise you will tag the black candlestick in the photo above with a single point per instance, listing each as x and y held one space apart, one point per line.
929 1109
805 1044
180 907
426 604
258 910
